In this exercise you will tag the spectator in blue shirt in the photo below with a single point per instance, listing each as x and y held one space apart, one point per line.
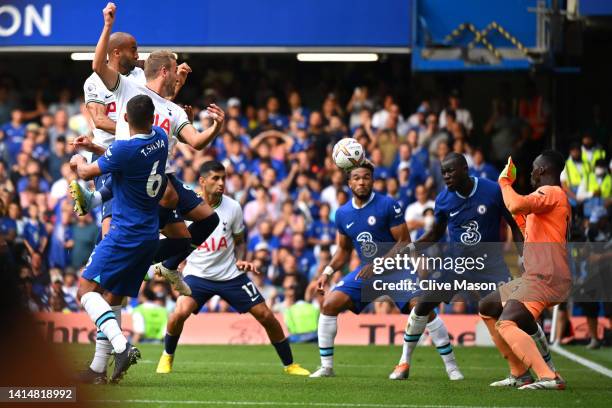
14 133
278 120
481 168
61 240
298 112
304 256
380 170
233 112
263 235
34 232
322 232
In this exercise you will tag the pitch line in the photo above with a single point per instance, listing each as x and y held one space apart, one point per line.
582 361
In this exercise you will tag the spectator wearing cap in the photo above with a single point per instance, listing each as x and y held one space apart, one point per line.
574 173
14 133
414 216
234 112
596 189
480 168
462 115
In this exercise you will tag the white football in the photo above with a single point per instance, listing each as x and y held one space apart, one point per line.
348 153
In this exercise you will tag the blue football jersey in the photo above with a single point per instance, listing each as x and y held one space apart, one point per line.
370 225
138 166
475 218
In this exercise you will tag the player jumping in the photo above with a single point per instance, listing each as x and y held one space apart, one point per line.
116 267
161 75
217 267
511 312
369 218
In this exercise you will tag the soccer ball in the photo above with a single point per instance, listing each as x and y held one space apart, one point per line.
348 153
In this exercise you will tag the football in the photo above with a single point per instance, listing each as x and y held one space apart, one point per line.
348 153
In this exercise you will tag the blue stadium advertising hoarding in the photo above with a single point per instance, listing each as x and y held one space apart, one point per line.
207 23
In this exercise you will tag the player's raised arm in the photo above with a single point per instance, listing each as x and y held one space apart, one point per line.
109 76
182 71
341 256
199 140
97 111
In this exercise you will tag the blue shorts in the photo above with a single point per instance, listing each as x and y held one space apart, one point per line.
102 180
354 289
187 198
119 266
240 292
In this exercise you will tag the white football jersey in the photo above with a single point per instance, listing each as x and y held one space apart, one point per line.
215 259
168 115
95 91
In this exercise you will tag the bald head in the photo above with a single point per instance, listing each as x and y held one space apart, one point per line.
122 52
458 160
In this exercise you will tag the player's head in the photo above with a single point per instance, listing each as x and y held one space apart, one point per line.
212 178
140 114
161 66
547 168
122 47
454 170
361 180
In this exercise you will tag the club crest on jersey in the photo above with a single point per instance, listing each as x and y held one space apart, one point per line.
91 88
471 235
368 246
481 209
371 220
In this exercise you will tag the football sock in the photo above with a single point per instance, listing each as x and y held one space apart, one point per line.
199 230
96 200
517 368
104 318
170 343
439 336
283 349
328 327
102 353
540 340
414 329
524 348
170 246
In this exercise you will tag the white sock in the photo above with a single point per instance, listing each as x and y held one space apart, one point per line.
542 343
328 327
96 200
439 336
103 317
117 311
414 329
102 354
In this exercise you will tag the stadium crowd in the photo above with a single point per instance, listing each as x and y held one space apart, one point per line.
279 167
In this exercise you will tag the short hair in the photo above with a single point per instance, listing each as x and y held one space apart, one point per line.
554 159
452 156
157 60
140 112
365 164
212 165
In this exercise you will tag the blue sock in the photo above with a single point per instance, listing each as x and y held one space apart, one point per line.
283 349
199 230
163 214
170 343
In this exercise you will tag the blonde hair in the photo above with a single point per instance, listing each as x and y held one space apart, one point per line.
156 61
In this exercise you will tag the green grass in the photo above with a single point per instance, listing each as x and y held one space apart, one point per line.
601 356
225 376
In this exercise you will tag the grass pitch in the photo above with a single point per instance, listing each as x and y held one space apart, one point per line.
251 376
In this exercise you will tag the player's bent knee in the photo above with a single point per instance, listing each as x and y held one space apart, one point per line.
334 304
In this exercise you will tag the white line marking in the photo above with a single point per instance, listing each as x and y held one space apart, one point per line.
289 404
582 361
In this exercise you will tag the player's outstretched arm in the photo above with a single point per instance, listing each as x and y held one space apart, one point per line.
340 258
84 170
84 142
200 140
109 76
97 111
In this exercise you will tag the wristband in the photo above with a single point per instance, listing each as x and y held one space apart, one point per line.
328 270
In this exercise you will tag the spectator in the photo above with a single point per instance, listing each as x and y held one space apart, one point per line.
359 101
298 113
306 261
414 215
435 181
322 232
278 120
59 189
60 127
502 130
301 318
574 173
380 171
258 210
62 241
596 190
34 232
462 115
14 133
57 157
591 152
85 236
149 318
480 168
263 236
433 135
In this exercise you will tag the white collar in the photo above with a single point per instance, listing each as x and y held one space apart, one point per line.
363 206
144 136
473 189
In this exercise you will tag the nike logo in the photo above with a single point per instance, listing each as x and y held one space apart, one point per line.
452 214
349 225
108 96
254 298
